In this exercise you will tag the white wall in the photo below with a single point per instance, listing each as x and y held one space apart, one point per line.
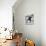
28 7
43 22
6 13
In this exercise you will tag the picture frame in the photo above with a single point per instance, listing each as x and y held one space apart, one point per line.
29 19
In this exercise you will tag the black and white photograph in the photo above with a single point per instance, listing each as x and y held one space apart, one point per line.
29 19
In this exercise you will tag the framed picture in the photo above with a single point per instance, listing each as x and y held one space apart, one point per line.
29 19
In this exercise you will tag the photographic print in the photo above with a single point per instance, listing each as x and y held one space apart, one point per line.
29 19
